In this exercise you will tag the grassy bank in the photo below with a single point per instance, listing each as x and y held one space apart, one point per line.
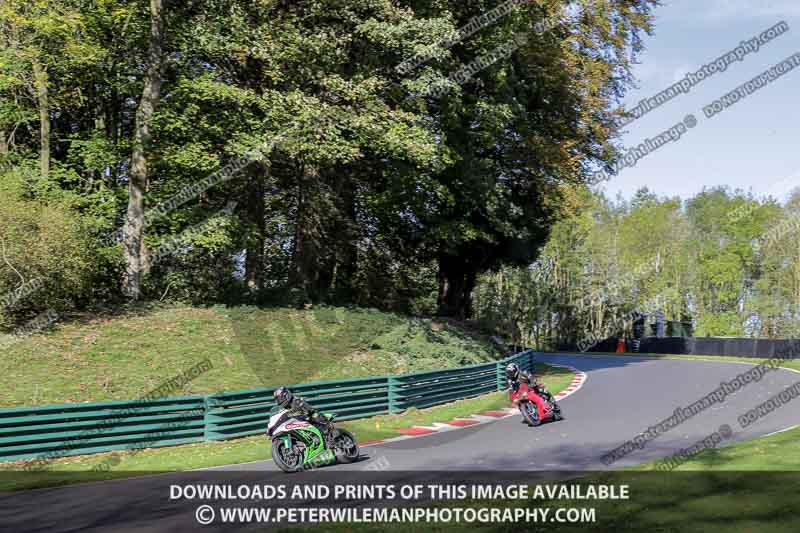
97 358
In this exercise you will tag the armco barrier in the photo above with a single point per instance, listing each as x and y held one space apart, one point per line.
733 347
237 414
52 431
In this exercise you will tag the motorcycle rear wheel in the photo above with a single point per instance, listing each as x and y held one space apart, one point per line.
345 447
530 413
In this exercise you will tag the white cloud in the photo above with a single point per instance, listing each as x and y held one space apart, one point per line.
679 73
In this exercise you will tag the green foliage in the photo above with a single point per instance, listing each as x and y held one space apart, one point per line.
40 243
365 187
420 344
709 260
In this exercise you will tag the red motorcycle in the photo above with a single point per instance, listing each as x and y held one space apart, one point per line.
536 404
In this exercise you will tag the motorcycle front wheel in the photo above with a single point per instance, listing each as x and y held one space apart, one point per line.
286 458
530 413
345 446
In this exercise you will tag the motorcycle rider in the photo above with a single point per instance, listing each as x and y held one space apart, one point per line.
515 376
298 407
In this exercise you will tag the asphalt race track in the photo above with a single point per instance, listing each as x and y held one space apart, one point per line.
622 397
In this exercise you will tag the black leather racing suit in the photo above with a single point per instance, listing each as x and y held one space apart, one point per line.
302 409
530 380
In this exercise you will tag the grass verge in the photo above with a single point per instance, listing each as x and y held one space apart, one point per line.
776 453
120 357
701 502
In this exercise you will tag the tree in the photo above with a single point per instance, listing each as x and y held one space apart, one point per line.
363 185
520 129
38 38
133 233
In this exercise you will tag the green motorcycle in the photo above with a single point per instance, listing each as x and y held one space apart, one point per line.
299 445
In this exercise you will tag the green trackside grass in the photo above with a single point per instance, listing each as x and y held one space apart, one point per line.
130 463
745 487
98 358
675 503
776 453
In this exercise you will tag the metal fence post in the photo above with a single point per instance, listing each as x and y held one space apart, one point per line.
500 375
393 385
205 419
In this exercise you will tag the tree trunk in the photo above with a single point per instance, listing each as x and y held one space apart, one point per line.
346 233
305 256
100 128
114 124
42 101
456 282
133 233
332 232
254 261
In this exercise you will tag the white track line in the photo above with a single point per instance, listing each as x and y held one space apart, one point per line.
781 431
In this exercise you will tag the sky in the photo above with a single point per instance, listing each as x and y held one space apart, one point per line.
753 145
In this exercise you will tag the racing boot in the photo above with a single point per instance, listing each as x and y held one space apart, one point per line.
329 434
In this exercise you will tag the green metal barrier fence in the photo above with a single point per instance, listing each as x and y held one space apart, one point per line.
52 431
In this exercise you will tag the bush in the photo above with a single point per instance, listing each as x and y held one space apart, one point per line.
45 258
